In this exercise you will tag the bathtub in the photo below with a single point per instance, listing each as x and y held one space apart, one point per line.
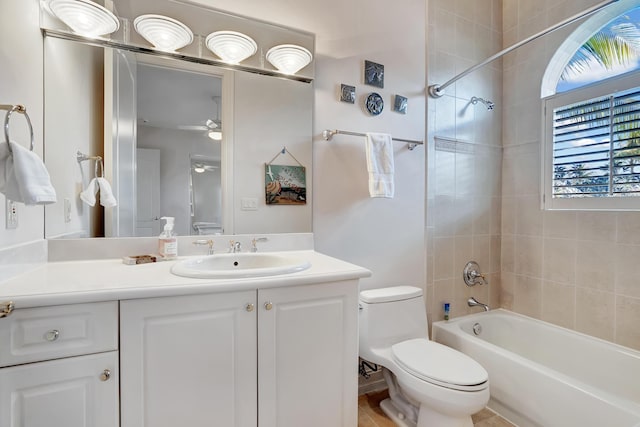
542 375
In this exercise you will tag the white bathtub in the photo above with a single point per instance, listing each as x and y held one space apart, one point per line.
546 376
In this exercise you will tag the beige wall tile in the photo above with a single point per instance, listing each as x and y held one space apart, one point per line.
507 286
595 265
559 304
508 254
559 260
443 258
596 226
527 298
595 313
627 321
528 256
496 246
560 224
626 275
482 252
628 230
509 215
528 216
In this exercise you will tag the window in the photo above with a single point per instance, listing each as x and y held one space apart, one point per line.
592 146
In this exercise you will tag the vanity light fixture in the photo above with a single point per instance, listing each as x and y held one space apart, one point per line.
289 58
164 33
85 17
232 47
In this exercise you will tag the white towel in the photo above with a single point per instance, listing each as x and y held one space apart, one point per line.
88 195
379 149
106 194
23 176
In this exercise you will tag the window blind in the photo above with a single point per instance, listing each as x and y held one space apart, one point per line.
596 147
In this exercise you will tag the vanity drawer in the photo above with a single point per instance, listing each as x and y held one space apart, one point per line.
42 333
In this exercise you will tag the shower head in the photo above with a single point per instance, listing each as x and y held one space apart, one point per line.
490 105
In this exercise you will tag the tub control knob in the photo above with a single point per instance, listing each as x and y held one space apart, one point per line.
268 305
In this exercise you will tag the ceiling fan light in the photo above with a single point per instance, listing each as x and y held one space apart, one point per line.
289 58
216 135
232 47
85 17
164 33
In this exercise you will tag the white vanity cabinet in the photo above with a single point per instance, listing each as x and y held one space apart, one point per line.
59 366
277 357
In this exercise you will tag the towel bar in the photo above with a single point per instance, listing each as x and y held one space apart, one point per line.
328 134
22 110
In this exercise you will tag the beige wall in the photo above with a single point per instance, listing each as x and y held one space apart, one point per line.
464 154
596 290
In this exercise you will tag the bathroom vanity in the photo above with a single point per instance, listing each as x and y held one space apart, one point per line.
99 343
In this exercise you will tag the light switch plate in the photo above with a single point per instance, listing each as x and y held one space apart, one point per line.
11 214
249 204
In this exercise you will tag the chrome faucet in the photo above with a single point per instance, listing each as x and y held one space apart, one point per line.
203 242
234 247
254 243
472 302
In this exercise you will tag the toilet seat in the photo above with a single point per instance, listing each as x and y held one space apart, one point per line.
440 365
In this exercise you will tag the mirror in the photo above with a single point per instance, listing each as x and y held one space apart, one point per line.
149 119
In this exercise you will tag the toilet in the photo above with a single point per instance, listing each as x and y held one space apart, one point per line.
430 385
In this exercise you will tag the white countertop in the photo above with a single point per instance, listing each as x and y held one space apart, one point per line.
72 282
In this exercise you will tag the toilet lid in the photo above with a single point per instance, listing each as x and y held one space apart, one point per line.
440 365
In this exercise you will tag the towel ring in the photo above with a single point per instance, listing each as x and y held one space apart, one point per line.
20 109
95 168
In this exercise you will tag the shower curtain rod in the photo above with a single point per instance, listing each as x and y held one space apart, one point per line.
436 91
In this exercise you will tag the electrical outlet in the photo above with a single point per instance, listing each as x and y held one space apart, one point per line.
11 214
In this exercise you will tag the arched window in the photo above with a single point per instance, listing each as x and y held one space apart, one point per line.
591 93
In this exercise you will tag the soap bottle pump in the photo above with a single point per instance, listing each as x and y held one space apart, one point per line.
167 241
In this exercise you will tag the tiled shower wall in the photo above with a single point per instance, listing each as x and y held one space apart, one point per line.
464 154
576 269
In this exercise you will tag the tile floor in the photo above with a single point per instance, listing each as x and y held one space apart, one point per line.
370 414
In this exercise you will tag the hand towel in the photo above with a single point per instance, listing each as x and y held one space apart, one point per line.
379 150
24 178
88 195
106 194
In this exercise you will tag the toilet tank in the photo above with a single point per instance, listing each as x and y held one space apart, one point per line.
391 315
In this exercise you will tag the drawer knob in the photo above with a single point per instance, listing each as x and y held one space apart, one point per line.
268 305
6 308
105 375
250 307
52 335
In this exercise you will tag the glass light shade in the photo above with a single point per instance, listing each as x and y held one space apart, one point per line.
216 135
164 33
232 47
85 17
289 58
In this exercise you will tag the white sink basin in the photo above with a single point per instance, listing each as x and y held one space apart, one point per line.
228 266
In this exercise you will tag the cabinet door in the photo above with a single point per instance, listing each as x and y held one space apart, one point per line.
71 392
308 356
189 361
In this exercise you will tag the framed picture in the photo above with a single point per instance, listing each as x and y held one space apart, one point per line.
285 185
348 93
400 104
374 74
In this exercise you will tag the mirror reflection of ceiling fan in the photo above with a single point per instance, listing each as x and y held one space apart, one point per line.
201 168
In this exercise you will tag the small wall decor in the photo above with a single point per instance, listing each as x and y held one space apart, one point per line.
284 184
373 74
400 104
374 104
348 93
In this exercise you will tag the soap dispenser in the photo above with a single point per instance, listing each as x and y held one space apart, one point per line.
167 241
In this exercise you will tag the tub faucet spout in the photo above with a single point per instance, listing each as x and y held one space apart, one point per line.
472 302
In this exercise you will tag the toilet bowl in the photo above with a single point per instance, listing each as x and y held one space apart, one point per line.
430 385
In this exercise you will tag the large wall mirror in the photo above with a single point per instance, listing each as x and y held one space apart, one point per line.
177 139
